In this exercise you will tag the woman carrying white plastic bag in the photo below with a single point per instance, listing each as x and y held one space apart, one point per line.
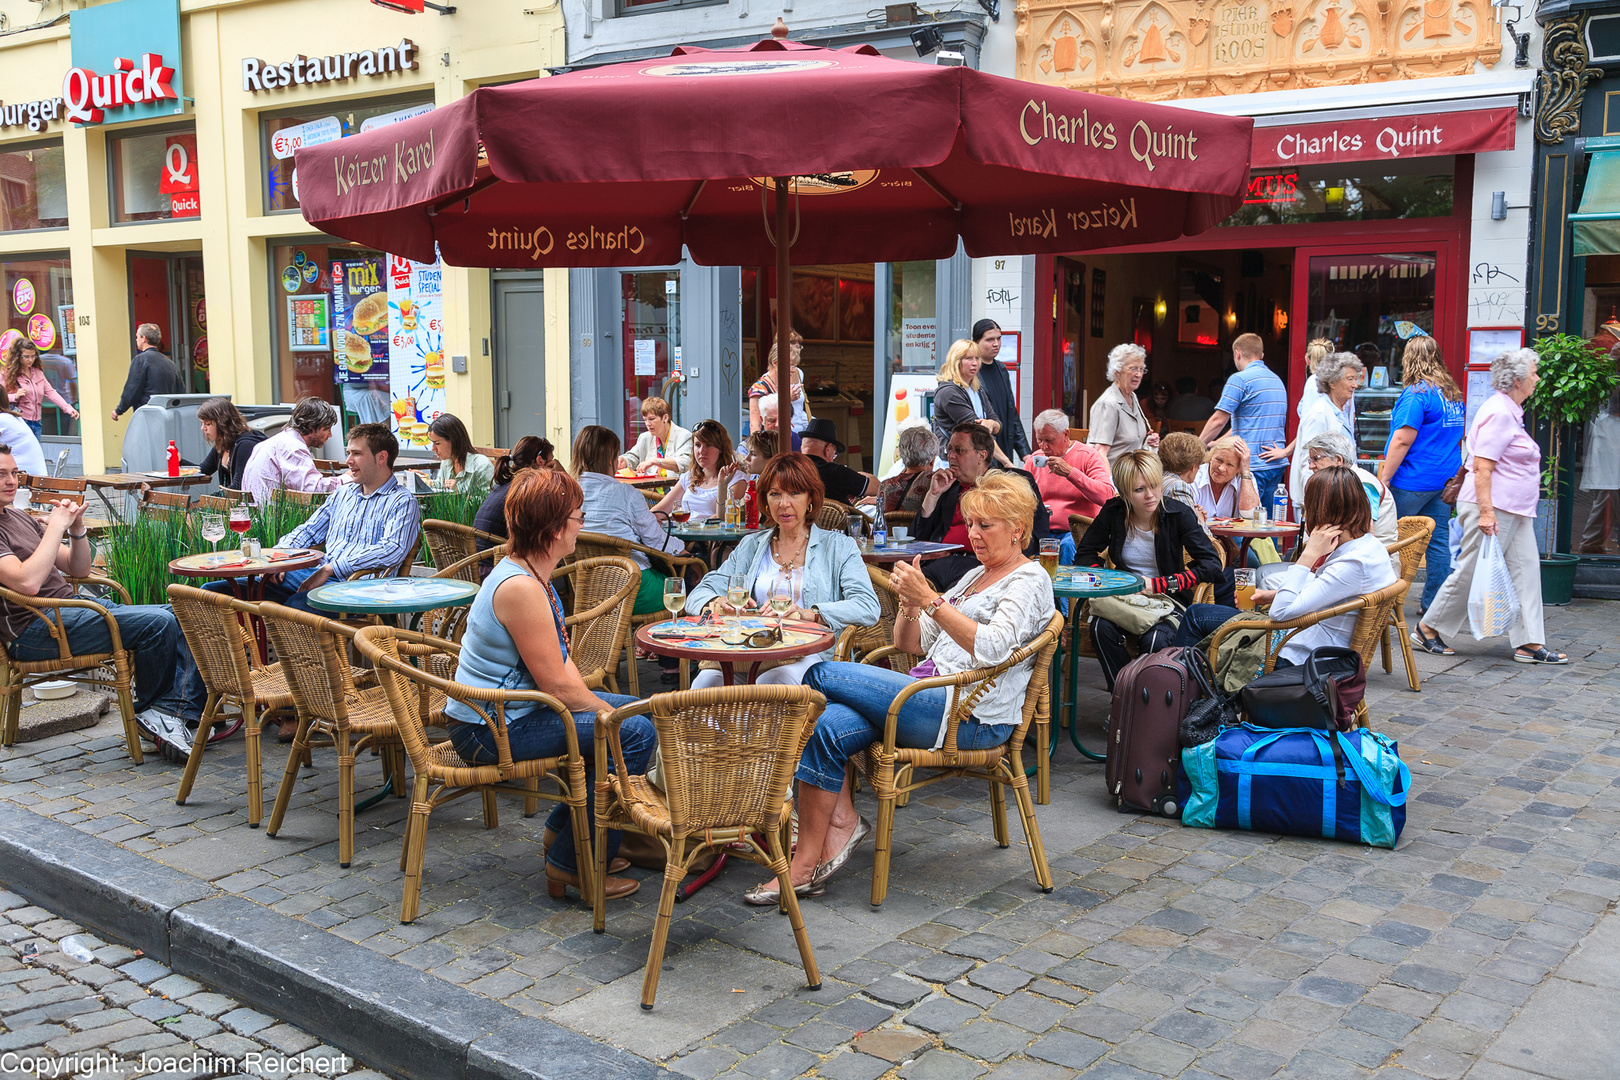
1493 605
1496 511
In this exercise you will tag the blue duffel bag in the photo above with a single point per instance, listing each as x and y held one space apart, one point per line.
1300 781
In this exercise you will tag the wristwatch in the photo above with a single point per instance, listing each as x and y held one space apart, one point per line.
934 605
815 610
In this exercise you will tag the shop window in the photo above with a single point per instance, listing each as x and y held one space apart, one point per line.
914 330
283 133
33 188
651 315
638 7
361 329
1362 191
39 306
154 175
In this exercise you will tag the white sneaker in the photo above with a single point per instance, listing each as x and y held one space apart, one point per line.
169 730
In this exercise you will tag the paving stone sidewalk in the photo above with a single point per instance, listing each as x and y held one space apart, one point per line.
1163 951
119 1014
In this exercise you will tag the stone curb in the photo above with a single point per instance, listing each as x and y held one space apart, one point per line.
393 1017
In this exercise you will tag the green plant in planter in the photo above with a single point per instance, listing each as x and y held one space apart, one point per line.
278 516
460 507
1575 381
138 553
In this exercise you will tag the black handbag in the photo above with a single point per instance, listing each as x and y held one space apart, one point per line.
1321 693
1212 711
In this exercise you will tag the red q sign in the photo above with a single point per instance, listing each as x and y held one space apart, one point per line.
178 173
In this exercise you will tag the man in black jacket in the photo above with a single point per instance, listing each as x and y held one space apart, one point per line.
149 373
998 391
940 520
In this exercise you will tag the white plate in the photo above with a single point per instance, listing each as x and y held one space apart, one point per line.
51 691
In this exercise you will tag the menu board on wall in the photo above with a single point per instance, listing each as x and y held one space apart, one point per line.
309 323
415 346
360 320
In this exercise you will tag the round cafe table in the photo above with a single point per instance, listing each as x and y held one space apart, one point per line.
911 549
716 537
1082 583
246 575
1246 532
392 595
689 639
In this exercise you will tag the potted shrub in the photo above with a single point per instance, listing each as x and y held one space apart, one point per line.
1575 382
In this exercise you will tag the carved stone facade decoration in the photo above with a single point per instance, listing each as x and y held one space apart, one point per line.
1158 50
1561 82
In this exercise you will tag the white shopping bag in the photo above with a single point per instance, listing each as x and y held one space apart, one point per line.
1493 606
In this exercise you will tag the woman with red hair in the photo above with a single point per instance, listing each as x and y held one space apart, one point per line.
515 640
822 570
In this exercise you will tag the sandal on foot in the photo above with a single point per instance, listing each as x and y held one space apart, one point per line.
1540 656
764 895
1432 644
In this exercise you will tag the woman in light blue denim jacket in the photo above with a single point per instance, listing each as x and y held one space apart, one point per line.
828 580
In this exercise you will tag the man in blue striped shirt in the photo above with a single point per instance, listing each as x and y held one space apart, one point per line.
1256 403
369 522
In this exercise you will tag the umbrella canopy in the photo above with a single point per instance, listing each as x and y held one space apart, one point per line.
883 161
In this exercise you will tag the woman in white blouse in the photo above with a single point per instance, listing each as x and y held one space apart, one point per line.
698 490
1337 376
1117 425
996 609
1340 560
1224 486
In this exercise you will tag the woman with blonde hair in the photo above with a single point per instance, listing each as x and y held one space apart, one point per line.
1117 423
1424 452
1147 534
959 399
995 609
663 445
27 386
1224 485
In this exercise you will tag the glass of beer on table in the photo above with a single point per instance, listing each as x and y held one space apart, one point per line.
1244 577
1050 547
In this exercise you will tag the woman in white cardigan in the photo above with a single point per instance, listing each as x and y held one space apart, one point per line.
1337 376
664 445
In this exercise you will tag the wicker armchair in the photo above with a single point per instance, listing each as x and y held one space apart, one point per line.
592 545
855 642
441 776
402 570
604 592
312 653
305 498
892 769
1371 624
899 517
728 759
834 516
452 543
239 687
1412 547
111 669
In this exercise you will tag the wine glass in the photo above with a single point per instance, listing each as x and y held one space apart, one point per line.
241 522
781 598
674 595
737 592
213 529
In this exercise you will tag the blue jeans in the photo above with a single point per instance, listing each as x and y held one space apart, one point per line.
1437 560
36 427
1201 620
540 734
858 699
1266 481
284 592
165 674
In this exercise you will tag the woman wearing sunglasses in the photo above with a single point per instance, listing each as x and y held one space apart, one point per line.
820 571
998 607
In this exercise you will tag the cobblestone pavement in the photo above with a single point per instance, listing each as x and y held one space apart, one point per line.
1163 951
116 1014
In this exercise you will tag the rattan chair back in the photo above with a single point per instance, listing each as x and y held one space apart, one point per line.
311 651
452 544
898 517
1078 524
834 516
1374 618
304 498
604 593
1412 545
864 640
224 650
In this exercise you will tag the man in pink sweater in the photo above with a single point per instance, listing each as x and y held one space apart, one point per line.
1073 476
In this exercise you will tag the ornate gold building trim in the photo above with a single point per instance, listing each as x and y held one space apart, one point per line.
1561 82
1157 50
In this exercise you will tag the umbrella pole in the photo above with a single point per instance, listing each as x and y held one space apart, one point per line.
784 313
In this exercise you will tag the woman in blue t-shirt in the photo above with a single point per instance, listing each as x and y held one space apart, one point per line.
1425 437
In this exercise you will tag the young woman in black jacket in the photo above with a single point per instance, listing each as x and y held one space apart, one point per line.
1148 535
230 441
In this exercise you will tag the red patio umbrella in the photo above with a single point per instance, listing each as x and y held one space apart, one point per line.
880 160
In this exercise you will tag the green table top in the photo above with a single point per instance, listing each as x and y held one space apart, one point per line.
1107 583
698 534
392 596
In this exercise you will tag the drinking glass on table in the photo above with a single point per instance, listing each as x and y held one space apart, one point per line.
213 529
241 522
1243 580
1050 548
674 594
737 591
781 598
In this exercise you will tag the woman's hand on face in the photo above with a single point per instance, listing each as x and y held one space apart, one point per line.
1487 522
1322 542
941 481
910 585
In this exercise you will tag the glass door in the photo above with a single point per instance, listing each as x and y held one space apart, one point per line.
1369 302
1068 338
651 331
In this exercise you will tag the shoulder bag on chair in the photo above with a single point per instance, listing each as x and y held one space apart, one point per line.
1135 615
1321 693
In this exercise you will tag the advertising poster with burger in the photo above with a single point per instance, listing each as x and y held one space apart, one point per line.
360 320
415 346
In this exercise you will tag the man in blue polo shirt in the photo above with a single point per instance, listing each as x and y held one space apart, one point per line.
1255 402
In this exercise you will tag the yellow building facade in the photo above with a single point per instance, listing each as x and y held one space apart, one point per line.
181 208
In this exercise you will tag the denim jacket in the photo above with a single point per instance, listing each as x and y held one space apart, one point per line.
835 578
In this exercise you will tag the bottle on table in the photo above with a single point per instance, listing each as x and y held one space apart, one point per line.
174 459
880 528
751 504
1279 504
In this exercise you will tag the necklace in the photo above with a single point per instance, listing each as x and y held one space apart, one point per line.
790 562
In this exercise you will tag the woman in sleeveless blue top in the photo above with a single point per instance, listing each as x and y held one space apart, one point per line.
515 640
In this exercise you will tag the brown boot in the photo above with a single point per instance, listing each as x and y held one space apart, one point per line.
559 881
616 865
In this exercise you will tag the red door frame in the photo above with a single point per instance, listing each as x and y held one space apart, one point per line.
1448 236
